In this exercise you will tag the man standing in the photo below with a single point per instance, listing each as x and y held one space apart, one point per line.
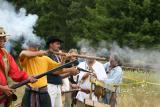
84 80
55 81
35 62
8 68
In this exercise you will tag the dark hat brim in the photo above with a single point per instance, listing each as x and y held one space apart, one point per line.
53 39
57 40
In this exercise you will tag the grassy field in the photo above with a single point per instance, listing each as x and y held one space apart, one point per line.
140 93
134 91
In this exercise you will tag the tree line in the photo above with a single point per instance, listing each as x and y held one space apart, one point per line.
133 23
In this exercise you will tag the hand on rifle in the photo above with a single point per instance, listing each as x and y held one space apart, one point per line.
74 86
73 71
42 52
94 75
8 91
87 91
70 56
32 79
86 75
93 79
66 56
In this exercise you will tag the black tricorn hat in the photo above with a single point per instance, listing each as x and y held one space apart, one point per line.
52 39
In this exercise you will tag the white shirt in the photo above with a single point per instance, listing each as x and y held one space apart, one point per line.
65 85
101 75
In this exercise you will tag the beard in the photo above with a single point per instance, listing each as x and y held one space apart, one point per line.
2 45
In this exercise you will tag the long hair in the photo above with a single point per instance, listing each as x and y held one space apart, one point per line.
117 58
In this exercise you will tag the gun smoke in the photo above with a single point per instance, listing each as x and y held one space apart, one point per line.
18 24
142 58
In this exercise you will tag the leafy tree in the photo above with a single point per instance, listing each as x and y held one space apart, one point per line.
134 23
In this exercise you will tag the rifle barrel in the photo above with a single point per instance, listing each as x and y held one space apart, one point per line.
82 56
20 84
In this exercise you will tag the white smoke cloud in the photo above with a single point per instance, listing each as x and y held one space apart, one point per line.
17 23
85 46
144 58
139 57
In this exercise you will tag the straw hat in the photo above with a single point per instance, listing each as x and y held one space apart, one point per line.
2 32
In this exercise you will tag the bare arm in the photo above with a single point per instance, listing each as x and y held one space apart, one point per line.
8 91
85 76
27 53
65 75
32 53
67 72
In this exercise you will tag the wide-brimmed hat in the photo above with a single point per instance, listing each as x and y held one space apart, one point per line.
53 39
2 32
